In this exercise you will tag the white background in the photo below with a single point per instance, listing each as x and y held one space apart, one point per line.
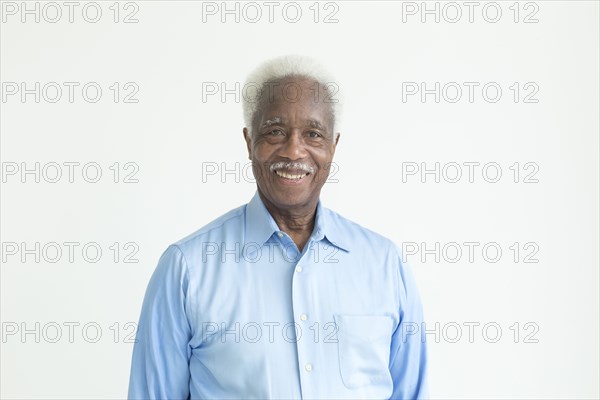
171 134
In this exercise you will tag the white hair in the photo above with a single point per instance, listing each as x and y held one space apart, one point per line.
281 67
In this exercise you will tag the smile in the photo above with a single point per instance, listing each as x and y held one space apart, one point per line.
293 176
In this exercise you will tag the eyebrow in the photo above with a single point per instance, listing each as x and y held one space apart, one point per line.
269 122
278 120
316 124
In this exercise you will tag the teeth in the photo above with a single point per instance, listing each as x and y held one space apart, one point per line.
290 176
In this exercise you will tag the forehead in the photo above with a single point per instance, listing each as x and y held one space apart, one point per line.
294 97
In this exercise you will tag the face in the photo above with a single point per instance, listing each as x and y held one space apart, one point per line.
292 143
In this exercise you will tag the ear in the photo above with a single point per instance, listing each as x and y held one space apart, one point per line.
248 142
335 142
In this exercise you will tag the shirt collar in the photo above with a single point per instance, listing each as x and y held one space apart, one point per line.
260 225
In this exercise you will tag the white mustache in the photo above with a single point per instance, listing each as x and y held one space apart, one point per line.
292 165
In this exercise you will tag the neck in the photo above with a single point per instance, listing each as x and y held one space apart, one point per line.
297 222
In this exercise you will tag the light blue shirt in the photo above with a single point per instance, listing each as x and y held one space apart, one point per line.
235 311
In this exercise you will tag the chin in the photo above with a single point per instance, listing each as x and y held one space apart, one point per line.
291 198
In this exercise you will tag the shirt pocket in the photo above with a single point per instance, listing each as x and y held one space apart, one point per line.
364 349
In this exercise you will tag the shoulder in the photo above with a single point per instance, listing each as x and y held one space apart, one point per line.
231 221
376 249
356 234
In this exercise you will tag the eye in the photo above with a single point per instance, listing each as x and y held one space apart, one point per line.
276 132
314 134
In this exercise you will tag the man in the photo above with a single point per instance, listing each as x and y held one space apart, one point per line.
282 298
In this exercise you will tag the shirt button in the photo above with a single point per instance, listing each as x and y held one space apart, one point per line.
308 367
279 234
303 317
298 269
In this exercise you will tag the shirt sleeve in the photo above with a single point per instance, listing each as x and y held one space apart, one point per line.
408 356
160 361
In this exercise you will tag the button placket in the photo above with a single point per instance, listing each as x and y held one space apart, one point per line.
301 309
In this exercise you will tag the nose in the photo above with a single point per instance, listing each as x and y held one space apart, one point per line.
294 146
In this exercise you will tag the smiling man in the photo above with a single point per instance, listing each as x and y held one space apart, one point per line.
282 298
291 150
